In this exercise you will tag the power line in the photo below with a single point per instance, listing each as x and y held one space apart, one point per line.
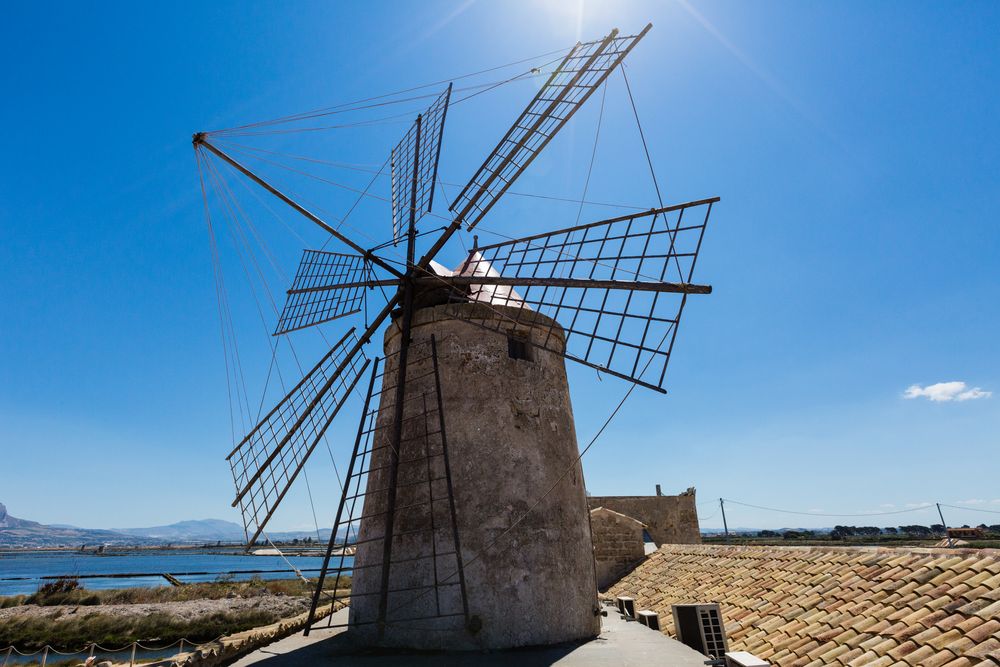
784 511
974 509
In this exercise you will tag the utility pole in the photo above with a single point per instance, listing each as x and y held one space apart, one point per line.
950 543
725 526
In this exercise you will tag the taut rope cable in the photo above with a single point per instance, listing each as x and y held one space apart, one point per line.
235 344
381 173
249 251
228 334
394 118
593 153
343 105
336 184
649 160
215 272
236 232
357 201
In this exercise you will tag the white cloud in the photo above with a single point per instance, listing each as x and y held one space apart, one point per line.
887 506
946 391
971 501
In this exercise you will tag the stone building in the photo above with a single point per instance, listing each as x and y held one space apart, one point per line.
618 544
668 519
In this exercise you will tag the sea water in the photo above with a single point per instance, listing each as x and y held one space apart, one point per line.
23 572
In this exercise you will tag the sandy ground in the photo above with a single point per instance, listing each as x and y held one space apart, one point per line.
280 605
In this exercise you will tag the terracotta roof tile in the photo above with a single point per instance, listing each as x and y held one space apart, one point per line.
960 662
884 661
991 611
950 621
941 640
985 649
866 658
832 654
982 632
808 606
960 646
921 656
938 659
978 578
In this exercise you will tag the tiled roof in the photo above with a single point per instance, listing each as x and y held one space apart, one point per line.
799 606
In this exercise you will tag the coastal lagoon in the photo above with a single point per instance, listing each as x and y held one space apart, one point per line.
22 572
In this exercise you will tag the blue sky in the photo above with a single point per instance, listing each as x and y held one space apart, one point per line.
853 255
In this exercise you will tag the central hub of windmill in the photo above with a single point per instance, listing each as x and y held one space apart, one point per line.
516 481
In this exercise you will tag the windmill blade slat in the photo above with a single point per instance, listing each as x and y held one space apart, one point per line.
614 290
637 285
269 458
576 78
313 300
414 163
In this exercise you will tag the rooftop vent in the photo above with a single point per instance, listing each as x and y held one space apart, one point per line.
650 619
700 627
744 659
626 606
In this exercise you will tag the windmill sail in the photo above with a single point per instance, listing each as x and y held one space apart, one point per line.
614 289
576 78
265 463
310 300
414 163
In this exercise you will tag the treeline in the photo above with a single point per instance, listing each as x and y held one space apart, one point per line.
915 531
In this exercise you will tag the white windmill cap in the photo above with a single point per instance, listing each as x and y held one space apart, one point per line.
497 295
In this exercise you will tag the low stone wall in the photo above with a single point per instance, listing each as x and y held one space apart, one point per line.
668 519
232 647
618 545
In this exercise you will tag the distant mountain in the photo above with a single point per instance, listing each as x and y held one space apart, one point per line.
16 532
202 530
7 521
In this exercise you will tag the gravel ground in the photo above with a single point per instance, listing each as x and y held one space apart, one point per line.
280 605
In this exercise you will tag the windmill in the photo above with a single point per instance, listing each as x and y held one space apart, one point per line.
607 294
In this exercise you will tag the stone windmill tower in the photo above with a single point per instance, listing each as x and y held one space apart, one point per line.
463 520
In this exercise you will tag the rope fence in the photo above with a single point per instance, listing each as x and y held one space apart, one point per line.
90 653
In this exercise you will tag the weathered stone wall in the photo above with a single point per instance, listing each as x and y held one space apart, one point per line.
618 545
518 485
668 519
